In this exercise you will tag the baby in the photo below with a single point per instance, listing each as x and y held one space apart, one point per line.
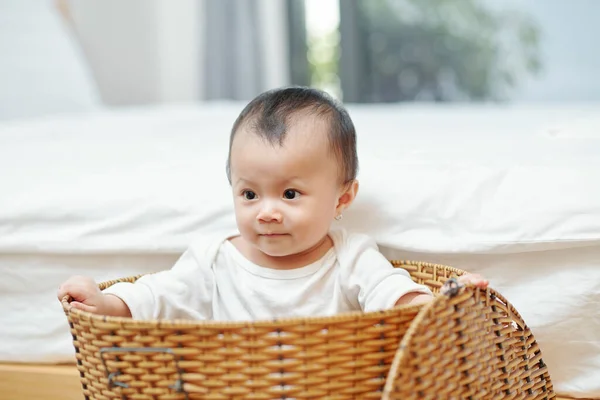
292 168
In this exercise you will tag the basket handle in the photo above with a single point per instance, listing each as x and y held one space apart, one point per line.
179 386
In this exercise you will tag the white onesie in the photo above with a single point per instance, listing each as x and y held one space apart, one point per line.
213 281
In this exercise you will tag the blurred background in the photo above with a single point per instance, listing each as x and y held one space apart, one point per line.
478 124
130 52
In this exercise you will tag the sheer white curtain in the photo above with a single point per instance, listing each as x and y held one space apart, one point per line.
42 69
246 48
149 51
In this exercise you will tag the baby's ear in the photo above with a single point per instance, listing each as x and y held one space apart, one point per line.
347 195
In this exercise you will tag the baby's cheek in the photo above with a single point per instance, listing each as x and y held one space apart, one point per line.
317 224
244 219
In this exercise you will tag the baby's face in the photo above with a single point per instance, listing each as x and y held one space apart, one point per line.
285 197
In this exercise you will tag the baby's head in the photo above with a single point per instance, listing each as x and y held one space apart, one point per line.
292 167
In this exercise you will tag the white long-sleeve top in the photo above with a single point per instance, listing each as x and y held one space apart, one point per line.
213 281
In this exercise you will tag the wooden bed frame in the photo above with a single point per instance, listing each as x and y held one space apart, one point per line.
47 382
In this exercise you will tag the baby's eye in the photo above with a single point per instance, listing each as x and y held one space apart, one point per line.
249 194
291 194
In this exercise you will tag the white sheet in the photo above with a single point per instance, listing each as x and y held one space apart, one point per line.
133 180
482 188
33 327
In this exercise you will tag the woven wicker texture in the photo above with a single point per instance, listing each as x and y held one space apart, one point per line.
471 345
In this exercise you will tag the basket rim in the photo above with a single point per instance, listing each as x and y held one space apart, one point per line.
262 323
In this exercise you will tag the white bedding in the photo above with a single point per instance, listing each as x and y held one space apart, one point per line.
491 189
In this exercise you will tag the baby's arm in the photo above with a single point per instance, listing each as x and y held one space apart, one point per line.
418 298
87 297
184 291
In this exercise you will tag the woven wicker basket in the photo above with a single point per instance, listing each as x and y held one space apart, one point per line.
471 344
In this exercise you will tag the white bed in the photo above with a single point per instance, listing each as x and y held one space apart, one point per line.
509 191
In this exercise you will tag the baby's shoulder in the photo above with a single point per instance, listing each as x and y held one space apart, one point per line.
355 251
354 242
206 247
358 257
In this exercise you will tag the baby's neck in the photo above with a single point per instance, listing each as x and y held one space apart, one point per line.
292 261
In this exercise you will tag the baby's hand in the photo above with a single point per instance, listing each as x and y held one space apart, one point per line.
474 279
417 298
85 294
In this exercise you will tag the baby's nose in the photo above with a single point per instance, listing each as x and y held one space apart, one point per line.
269 214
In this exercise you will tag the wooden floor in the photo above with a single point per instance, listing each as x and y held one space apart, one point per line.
39 382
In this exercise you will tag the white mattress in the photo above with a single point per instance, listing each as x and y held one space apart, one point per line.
509 191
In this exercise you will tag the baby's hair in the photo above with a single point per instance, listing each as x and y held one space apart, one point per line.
270 114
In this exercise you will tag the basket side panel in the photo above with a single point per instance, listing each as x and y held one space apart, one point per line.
335 358
474 345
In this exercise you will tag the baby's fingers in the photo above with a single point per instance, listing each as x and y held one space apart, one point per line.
83 307
79 288
474 279
63 290
69 288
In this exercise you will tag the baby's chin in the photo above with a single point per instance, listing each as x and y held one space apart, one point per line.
278 252
275 253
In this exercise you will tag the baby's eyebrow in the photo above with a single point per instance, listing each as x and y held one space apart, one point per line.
291 180
242 180
247 183
296 179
